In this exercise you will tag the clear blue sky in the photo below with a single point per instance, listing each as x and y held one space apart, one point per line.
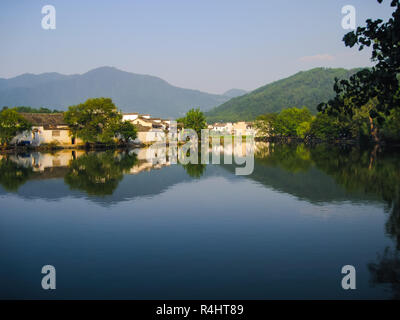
210 45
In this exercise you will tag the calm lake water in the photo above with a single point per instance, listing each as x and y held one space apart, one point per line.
117 226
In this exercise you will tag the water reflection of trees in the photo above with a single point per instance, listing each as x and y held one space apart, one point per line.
194 170
292 158
386 271
357 170
99 173
12 174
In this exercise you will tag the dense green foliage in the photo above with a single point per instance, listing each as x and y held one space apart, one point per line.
290 122
11 123
379 84
126 131
194 119
98 121
299 123
25 109
306 88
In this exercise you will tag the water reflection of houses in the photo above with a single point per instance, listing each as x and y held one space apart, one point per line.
44 163
233 148
150 159
41 162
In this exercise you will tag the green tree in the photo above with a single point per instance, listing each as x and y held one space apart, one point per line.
303 129
11 123
391 128
194 119
289 120
265 124
325 127
127 131
97 120
381 82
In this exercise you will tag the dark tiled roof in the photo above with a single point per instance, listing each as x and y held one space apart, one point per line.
45 119
141 128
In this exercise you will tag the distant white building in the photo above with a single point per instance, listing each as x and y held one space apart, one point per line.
237 128
130 116
149 129
222 128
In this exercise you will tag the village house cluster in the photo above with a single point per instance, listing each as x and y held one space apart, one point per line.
149 129
51 128
236 128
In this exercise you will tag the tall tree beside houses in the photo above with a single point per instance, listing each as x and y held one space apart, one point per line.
98 121
194 119
11 124
380 83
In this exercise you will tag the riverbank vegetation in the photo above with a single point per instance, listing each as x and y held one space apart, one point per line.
300 124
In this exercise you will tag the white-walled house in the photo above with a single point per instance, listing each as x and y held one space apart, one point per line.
149 129
47 128
130 116
243 128
222 128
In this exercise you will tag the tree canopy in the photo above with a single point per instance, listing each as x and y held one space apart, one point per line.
379 83
194 119
98 121
11 123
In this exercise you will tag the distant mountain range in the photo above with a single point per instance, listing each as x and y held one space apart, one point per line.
148 94
306 88
130 92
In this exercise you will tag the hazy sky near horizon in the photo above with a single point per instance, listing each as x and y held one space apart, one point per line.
209 45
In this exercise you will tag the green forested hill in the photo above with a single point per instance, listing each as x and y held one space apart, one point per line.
306 88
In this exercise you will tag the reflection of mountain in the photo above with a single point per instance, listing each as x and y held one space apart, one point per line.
314 185
292 170
317 175
143 184
98 176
